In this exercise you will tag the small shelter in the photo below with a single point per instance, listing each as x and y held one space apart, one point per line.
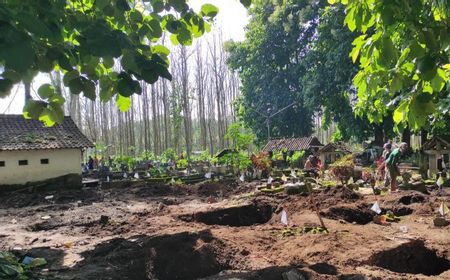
31 152
438 152
308 144
333 151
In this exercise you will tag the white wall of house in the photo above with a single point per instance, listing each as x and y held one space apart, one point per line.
60 162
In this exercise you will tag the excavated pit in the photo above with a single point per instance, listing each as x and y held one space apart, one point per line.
180 256
246 215
411 198
360 215
412 257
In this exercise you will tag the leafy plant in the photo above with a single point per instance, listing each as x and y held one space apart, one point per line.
204 156
239 160
295 159
261 161
277 155
148 155
343 168
12 268
182 163
168 154
239 136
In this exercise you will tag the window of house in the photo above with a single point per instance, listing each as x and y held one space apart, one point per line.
23 162
2 163
44 161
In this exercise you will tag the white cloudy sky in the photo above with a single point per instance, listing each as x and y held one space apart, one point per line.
232 19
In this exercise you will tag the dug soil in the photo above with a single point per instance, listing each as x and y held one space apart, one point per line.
224 230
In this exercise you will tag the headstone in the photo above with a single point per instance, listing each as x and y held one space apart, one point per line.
284 218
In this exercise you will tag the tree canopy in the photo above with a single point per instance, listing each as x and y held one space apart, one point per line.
270 62
403 54
99 45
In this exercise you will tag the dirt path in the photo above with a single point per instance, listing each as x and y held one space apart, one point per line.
161 232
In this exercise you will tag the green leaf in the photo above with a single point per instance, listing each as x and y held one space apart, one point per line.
136 16
438 82
174 39
357 43
150 76
33 109
161 50
45 64
179 5
101 3
158 5
46 117
57 98
246 3
388 53
427 89
123 5
400 112
209 10
123 102
108 62
128 62
46 91
64 63
155 28
11 75
10 271
427 67
350 19
89 89
184 37
69 76
76 85
56 112
5 87
125 85
18 56
396 83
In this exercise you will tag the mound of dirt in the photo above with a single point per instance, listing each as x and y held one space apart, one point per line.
257 213
331 196
412 257
213 188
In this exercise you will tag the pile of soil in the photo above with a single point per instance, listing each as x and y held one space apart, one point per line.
223 188
246 215
28 199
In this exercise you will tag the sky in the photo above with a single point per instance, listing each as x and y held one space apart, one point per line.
232 19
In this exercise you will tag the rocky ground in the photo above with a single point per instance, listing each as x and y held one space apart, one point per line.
224 231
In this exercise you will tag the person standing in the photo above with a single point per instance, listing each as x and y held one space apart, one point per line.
91 163
392 164
386 153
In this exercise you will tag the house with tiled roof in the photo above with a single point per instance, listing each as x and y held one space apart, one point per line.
332 152
31 152
311 144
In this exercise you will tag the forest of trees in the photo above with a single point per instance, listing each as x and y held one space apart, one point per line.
189 113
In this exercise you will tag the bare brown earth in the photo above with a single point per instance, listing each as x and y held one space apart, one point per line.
223 231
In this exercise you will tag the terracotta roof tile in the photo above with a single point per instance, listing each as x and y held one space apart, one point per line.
292 144
18 133
334 147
